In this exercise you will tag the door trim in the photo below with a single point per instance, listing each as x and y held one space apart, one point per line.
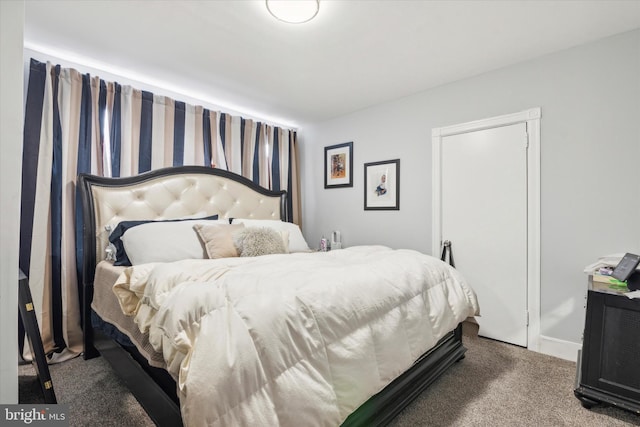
532 118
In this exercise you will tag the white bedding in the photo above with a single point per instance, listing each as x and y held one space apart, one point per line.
292 339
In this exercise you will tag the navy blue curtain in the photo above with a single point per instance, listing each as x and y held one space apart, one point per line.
291 142
178 134
146 127
275 161
84 166
115 132
206 134
30 156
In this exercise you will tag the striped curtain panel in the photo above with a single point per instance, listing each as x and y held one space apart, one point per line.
75 123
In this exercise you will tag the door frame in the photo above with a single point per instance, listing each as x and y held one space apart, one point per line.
532 119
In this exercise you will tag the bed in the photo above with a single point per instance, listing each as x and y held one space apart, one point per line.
257 340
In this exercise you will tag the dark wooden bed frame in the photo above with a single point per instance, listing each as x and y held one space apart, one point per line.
155 389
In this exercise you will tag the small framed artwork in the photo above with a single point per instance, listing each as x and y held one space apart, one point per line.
382 185
338 165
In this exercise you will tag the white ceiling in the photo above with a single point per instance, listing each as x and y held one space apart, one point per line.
354 54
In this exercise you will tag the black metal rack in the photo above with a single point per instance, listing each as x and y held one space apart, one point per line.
30 321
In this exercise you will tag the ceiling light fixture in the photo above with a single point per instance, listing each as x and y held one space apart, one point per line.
293 11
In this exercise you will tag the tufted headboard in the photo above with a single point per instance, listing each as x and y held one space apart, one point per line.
169 193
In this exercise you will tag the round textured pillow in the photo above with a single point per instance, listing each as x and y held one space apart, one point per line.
256 241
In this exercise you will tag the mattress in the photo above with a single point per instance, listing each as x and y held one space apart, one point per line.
106 306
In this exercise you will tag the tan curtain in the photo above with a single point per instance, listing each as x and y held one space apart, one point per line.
75 123
296 214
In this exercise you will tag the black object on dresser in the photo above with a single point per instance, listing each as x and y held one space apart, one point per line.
609 363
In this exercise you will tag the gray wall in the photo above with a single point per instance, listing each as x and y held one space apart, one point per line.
11 106
590 163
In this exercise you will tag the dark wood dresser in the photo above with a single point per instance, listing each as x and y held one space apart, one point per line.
608 370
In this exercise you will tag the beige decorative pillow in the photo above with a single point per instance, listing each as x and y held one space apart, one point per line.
218 239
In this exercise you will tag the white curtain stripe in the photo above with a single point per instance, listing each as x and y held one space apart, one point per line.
221 158
40 268
215 138
126 151
189 135
157 133
198 137
169 122
247 160
69 100
270 145
96 144
234 145
106 157
284 159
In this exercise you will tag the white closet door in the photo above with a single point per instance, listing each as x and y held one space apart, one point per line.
484 215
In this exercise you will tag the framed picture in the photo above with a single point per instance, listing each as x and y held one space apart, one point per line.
338 165
382 185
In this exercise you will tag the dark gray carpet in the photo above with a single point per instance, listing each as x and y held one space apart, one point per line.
499 384
495 385
96 396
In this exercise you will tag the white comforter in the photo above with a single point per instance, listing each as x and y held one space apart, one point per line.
298 339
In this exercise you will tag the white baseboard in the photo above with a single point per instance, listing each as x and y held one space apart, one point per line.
559 348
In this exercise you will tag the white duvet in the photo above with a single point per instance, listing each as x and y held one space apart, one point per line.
297 339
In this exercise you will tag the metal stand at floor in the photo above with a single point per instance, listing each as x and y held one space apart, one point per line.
28 315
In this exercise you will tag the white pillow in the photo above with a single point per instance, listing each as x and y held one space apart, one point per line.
296 239
165 241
